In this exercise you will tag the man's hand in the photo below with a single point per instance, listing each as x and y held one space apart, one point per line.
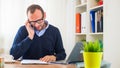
48 58
30 30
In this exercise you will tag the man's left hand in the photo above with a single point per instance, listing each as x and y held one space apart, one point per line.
48 58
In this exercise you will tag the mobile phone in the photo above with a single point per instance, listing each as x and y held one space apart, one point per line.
30 24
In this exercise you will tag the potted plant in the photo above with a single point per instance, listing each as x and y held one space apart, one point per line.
99 2
93 54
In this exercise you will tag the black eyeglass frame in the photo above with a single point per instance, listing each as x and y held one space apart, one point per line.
39 21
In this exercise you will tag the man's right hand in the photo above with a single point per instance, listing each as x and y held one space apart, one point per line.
30 30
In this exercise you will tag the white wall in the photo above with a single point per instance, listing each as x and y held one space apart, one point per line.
59 13
112 32
70 26
10 19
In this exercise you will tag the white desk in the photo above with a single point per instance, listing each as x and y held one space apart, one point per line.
104 64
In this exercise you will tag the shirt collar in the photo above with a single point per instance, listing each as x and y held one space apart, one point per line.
41 32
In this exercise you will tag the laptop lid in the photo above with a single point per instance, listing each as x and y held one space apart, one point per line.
76 55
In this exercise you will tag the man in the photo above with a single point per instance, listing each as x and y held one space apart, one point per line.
37 39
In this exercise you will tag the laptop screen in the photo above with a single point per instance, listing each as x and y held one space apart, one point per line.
76 55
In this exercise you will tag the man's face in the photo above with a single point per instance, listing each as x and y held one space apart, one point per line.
36 19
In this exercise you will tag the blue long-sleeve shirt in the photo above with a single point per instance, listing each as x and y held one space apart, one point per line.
48 44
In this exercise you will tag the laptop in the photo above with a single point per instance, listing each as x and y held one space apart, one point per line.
75 56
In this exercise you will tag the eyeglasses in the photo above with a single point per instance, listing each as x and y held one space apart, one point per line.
39 21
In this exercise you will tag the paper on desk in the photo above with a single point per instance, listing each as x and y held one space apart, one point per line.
29 61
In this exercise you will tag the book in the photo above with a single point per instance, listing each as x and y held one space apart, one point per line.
100 21
78 23
96 20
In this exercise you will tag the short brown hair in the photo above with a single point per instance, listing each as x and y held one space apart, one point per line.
33 7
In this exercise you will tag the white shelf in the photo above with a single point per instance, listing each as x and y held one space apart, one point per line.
81 5
80 33
100 33
96 7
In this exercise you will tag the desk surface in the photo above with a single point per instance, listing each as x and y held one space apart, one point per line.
18 65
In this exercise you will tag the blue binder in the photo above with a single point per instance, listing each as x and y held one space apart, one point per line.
92 16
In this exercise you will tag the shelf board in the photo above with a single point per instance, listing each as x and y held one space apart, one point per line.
81 5
96 7
80 33
100 33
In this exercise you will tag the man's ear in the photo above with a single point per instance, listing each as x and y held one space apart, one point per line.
44 15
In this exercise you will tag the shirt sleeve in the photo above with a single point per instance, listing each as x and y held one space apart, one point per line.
59 49
21 43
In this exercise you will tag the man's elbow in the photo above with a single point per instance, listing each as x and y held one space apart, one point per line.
14 55
61 56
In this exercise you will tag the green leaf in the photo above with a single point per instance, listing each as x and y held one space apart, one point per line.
96 46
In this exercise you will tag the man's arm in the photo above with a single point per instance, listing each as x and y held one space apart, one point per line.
21 43
59 49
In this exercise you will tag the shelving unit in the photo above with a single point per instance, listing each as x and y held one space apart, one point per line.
87 6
